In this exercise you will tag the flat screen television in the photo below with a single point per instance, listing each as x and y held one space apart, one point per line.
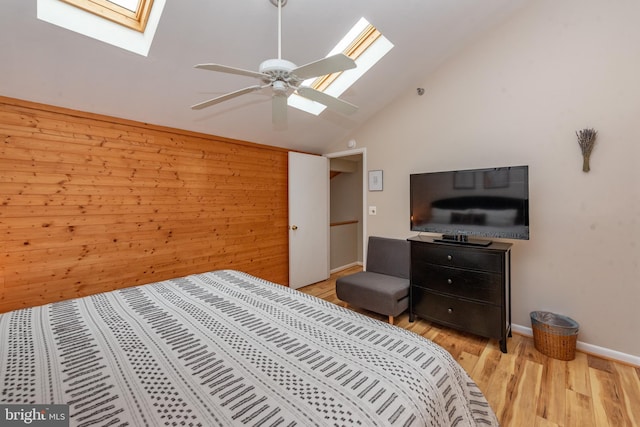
487 203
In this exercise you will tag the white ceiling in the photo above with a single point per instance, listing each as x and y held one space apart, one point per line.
44 63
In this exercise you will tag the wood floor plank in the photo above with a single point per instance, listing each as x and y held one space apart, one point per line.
606 399
485 367
552 398
468 361
541 422
628 377
581 412
500 390
578 375
526 393
524 387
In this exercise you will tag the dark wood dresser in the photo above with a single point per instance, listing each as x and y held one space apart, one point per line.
464 287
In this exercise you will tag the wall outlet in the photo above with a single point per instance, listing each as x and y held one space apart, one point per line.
372 210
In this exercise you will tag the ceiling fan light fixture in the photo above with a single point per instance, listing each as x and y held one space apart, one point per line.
280 88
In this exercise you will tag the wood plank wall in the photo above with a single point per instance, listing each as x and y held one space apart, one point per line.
92 203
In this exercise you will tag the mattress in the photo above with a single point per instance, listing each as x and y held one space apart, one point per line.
225 348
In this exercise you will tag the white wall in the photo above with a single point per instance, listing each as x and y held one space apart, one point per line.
517 96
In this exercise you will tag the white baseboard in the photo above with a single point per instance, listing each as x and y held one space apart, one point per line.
344 267
588 348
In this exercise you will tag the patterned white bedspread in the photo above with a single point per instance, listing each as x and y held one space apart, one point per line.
223 349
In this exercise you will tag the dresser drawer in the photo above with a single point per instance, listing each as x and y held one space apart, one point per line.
476 285
477 318
458 256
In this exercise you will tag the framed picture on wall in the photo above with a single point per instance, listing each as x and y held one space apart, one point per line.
464 180
375 180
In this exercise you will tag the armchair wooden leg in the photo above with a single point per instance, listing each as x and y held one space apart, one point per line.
391 320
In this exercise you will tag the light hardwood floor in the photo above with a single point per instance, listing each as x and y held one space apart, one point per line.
524 387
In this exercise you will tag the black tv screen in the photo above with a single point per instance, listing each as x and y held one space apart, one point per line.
492 202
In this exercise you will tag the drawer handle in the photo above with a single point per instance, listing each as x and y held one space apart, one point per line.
449 257
449 281
450 310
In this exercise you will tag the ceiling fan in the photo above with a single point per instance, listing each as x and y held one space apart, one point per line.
284 78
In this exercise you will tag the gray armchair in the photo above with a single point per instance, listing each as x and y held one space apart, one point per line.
384 287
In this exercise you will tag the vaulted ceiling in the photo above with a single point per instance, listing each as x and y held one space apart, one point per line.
44 63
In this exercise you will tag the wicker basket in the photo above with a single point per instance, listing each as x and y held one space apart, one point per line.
554 335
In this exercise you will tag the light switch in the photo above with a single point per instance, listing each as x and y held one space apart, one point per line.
372 210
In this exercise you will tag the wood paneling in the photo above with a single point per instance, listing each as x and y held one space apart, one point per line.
92 203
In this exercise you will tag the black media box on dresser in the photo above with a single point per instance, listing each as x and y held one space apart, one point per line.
462 286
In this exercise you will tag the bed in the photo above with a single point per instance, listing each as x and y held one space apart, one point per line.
225 348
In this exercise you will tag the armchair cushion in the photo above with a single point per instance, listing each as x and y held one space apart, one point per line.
384 287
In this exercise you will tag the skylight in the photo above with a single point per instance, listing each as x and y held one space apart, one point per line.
128 24
130 13
365 45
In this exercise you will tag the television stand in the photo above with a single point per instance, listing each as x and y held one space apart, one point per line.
467 288
458 239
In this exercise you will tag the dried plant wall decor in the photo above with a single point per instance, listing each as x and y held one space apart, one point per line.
586 140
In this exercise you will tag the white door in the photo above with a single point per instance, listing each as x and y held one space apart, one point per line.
308 219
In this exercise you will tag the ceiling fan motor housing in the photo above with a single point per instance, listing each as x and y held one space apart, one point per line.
279 70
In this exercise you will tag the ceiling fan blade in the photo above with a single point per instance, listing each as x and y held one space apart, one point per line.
231 70
321 67
330 101
225 97
279 110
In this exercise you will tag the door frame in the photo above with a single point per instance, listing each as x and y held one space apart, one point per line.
363 152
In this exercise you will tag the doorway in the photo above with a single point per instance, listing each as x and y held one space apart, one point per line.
347 216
